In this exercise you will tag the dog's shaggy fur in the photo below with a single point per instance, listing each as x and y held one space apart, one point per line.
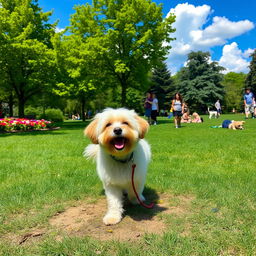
117 136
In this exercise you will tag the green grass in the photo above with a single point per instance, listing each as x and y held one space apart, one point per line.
42 172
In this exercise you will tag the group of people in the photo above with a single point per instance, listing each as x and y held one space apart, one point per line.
151 108
178 108
181 112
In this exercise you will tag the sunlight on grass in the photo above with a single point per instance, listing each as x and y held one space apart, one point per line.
41 173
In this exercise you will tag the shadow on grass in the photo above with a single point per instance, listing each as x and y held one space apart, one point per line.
165 121
73 125
51 132
138 212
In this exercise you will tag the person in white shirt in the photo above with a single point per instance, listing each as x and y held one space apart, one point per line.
154 109
218 107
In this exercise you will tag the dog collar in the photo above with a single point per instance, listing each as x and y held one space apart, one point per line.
124 161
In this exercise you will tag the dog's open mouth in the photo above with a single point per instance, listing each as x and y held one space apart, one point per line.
119 143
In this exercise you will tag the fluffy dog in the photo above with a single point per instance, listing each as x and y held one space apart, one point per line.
212 113
235 125
117 137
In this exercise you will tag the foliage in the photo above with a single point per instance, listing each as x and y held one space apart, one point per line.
33 111
23 124
234 84
251 77
200 81
26 58
135 100
52 114
78 76
130 37
163 85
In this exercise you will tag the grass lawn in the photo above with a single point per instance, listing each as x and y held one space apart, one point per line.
42 173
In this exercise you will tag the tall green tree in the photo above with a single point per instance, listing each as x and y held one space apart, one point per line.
130 35
79 76
163 85
26 58
251 77
200 81
234 84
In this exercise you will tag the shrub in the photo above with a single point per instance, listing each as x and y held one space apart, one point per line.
53 114
32 112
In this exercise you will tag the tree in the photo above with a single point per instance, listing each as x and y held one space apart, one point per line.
26 57
234 84
78 74
130 35
251 77
163 85
200 81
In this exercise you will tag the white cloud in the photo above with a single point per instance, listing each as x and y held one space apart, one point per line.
247 53
233 59
58 30
191 35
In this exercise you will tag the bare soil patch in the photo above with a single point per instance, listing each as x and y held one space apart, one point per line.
85 219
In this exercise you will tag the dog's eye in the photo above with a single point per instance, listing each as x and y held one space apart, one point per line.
108 124
125 123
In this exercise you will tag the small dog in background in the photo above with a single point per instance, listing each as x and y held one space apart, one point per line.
231 124
212 113
118 142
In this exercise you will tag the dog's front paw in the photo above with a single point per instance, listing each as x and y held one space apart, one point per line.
112 219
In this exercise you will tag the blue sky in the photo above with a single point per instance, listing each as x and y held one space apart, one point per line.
225 28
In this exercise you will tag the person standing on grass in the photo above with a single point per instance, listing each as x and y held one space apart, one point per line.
218 107
155 109
249 101
178 109
148 106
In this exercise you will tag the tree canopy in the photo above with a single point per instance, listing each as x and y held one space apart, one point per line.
131 37
200 81
234 84
251 77
163 85
26 62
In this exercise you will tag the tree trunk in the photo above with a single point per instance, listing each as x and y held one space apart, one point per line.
123 95
21 106
83 108
10 103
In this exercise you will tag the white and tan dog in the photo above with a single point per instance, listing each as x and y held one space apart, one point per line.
212 113
117 136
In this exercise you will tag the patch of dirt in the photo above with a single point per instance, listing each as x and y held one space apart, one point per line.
30 237
85 219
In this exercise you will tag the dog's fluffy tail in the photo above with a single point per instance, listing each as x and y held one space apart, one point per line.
91 151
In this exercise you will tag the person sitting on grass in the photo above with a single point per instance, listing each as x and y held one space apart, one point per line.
186 118
196 118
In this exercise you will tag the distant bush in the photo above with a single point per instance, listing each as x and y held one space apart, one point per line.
32 112
53 114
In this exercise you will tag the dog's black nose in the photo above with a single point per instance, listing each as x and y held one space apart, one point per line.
117 131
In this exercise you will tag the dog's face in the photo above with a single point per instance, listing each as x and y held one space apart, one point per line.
117 130
238 125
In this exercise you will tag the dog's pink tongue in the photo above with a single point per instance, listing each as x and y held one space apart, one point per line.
119 143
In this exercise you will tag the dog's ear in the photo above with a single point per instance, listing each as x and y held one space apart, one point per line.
143 127
243 122
90 131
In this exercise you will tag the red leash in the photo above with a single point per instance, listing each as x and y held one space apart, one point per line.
134 189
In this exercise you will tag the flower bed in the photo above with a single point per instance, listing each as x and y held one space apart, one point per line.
23 124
